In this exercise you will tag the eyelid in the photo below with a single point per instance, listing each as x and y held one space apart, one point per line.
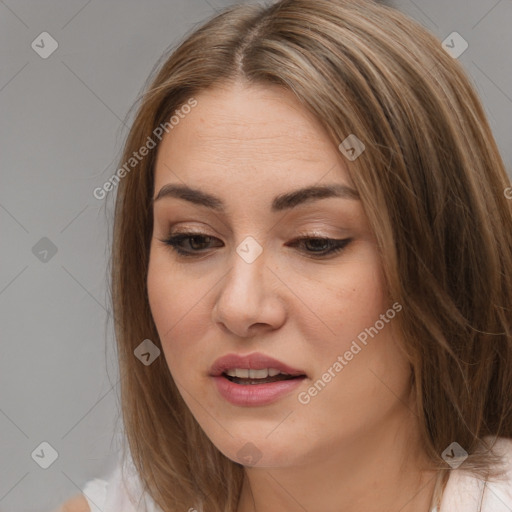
335 245
315 233
310 232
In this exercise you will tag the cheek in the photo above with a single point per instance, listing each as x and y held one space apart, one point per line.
376 370
178 312
162 298
171 295
352 299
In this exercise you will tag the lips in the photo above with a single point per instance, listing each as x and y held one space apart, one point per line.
255 361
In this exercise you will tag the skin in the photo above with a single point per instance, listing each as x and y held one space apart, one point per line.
354 447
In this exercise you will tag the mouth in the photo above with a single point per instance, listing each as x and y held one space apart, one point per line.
255 368
255 377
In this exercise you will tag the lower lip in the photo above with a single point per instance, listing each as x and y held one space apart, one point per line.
255 394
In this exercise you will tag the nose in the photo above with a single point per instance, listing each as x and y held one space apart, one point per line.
249 300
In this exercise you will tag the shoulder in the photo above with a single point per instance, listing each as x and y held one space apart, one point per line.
503 448
76 504
498 493
465 491
95 490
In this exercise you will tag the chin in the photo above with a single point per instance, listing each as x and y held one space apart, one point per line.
258 451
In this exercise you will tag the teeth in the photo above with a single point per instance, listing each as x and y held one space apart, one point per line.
244 373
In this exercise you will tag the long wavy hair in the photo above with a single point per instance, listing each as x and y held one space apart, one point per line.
431 182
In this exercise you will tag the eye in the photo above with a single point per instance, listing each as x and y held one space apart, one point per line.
316 247
321 246
194 240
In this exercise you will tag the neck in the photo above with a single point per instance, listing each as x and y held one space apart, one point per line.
379 471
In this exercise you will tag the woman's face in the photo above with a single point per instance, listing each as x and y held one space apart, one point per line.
248 285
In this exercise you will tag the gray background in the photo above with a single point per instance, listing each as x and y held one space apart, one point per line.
62 126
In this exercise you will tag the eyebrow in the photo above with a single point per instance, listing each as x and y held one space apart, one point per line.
279 203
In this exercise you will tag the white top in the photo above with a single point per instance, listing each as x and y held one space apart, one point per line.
463 492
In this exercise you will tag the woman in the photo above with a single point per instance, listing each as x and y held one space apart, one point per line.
311 274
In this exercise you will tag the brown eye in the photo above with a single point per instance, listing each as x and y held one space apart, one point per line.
316 247
322 246
196 242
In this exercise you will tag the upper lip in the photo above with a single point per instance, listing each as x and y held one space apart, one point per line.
255 361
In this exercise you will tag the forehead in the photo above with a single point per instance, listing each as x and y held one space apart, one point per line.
248 135
242 111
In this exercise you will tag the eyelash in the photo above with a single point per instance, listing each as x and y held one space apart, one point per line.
336 245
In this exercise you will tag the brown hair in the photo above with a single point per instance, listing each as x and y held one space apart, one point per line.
432 184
